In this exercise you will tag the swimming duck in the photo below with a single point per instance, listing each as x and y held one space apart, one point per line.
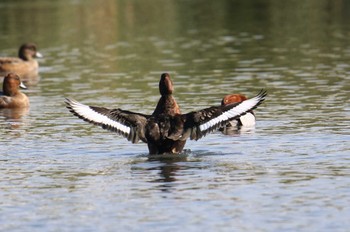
11 97
26 66
166 129
247 120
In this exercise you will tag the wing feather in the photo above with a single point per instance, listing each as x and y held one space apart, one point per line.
126 123
200 123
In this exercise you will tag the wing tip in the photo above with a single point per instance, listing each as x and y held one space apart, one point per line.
69 102
261 97
262 94
76 109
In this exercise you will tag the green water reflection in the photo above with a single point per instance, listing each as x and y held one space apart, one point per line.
114 51
298 50
137 34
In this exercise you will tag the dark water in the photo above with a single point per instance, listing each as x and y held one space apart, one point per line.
292 173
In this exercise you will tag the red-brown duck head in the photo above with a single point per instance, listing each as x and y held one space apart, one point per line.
233 98
11 85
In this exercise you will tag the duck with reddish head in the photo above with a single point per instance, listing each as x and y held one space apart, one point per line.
11 97
166 130
245 122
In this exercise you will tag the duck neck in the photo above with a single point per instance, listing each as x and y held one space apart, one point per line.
25 55
8 90
26 58
167 105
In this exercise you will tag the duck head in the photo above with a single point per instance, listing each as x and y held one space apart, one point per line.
165 85
11 84
233 98
28 51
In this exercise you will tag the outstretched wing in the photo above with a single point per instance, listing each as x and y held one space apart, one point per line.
126 123
200 123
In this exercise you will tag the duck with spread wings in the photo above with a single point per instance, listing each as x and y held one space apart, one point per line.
166 129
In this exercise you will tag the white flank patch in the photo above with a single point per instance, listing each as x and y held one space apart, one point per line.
247 120
86 112
238 110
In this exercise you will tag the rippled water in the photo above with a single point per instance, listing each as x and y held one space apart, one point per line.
291 173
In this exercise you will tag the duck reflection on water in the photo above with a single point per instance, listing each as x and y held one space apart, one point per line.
13 118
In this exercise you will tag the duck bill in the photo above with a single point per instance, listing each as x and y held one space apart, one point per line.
22 86
38 55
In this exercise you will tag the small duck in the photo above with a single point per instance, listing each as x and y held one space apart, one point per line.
11 97
166 129
247 120
26 66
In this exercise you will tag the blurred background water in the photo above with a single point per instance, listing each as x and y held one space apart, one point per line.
292 173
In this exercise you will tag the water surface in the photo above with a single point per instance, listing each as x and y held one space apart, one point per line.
291 173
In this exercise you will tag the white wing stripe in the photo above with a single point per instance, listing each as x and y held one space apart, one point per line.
238 110
88 113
